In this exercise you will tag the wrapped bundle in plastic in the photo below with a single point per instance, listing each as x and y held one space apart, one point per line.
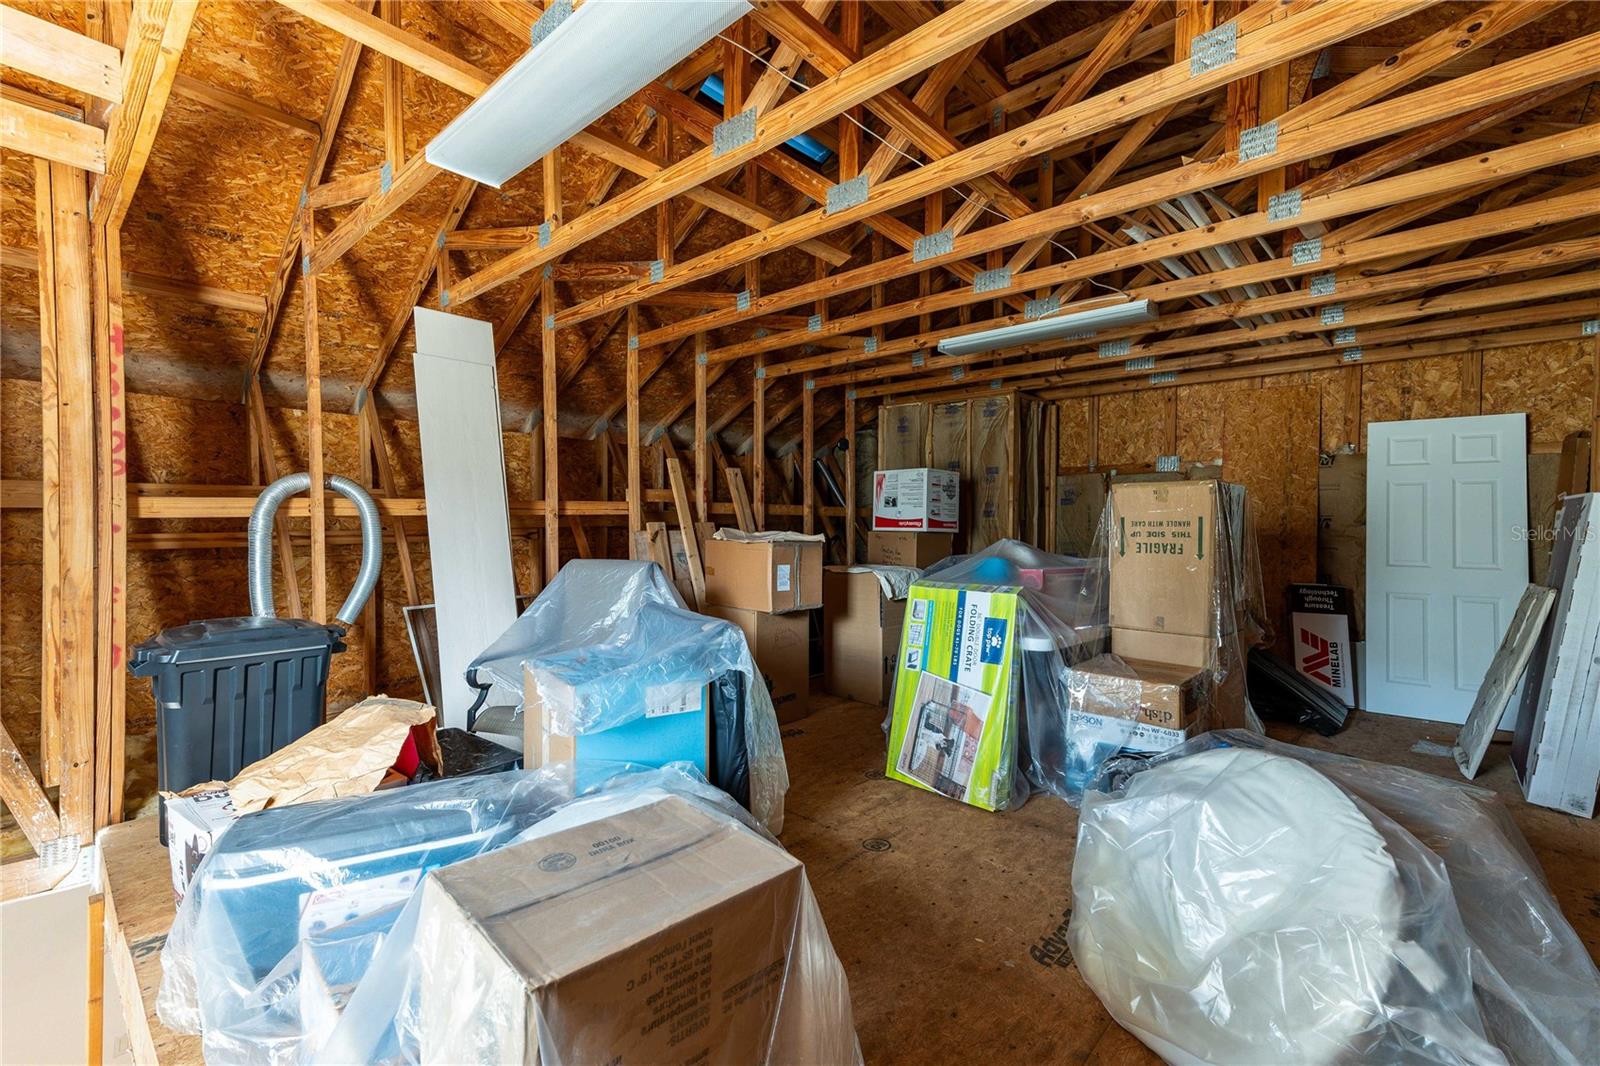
1183 584
608 640
643 924
978 707
1237 900
286 914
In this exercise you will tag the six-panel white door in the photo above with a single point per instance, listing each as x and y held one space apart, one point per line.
1447 558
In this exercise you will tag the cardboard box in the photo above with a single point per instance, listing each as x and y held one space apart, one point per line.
920 550
676 727
1222 656
954 696
1166 696
1087 727
780 645
194 822
770 576
916 500
1323 651
657 934
1164 550
860 635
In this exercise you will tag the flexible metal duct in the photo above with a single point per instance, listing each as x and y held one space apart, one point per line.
260 542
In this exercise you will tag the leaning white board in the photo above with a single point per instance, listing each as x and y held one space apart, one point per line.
464 479
1447 558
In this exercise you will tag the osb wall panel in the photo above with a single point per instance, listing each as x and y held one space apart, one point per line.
1072 440
1132 428
1267 449
1552 382
1200 415
1411 388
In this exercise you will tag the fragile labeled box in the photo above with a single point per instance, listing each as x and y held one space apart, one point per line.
674 725
916 500
920 550
781 647
1164 695
1164 548
860 635
774 576
656 934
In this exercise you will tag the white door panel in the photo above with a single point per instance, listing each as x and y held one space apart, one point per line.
1447 558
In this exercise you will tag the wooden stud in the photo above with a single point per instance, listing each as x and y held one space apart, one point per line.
50 699
850 476
314 453
394 114
702 473
111 534
635 478
808 482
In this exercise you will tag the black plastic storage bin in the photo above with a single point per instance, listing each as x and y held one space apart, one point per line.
230 691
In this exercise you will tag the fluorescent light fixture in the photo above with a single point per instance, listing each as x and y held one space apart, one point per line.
807 145
595 58
1060 327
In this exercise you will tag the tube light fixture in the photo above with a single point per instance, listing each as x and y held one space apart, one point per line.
600 54
1059 327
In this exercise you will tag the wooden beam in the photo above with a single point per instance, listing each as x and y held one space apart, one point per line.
1273 43
24 798
46 135
314 453
358 24
237 103
60 55
289 257
635 481
686 524
270 473
408 181
157 33
916 51
394 104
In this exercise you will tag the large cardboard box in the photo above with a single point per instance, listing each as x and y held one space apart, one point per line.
764 575
657 934
1163 565
781 646
917 500
920 550
860 635
1163 694
951 728
675 727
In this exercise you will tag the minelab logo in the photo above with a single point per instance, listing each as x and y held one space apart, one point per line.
1323 662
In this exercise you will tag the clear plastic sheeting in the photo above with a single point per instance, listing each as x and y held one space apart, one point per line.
1183 582
287 912
699 896
608 638
1237 900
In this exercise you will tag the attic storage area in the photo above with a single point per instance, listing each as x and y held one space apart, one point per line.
920 438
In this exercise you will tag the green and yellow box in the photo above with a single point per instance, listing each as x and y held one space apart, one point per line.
953 730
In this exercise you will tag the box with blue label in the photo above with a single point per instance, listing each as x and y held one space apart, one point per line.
672 724
953 725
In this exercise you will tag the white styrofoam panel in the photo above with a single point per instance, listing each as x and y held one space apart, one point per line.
464 478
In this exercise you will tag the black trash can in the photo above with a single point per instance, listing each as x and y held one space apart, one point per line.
230 691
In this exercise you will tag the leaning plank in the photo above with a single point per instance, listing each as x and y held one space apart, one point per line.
691 544
1505 671
741 500
24 798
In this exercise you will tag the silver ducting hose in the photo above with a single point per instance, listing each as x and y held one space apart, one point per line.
260 542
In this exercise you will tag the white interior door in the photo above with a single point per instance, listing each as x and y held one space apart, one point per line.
1447 557
464 478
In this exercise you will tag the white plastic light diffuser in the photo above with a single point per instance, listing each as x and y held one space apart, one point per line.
601 54
1049 329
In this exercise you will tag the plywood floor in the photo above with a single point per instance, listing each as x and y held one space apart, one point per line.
946 917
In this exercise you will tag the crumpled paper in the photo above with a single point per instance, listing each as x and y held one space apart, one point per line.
345 757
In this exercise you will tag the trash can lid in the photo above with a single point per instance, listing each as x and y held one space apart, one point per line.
213 638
